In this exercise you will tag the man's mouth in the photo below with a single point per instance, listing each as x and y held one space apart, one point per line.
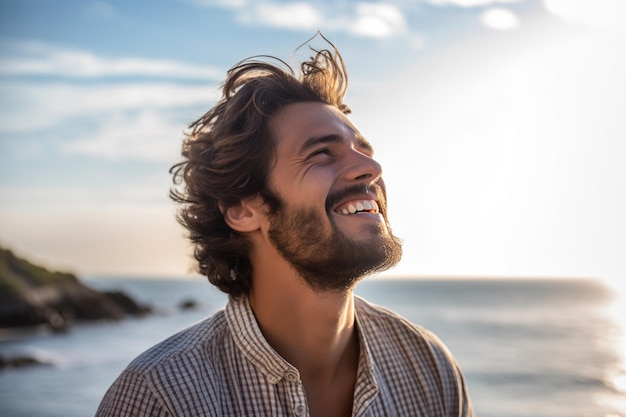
358 206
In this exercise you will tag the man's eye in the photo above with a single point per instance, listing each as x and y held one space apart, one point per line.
322 151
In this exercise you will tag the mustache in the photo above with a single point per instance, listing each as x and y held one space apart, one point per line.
357 190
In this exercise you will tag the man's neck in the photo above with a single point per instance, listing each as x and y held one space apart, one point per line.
314 331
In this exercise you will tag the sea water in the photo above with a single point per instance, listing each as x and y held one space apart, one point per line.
528 348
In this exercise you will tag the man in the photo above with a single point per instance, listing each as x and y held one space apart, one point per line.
286 207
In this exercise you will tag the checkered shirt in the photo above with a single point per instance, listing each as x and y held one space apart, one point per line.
223 366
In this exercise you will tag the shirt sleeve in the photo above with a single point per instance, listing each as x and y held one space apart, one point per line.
466 408
458 401
131 396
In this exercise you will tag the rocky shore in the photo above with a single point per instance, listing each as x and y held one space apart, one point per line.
31 295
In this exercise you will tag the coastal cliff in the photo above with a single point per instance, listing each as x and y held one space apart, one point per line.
31 295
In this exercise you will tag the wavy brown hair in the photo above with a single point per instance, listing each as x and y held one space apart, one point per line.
228 154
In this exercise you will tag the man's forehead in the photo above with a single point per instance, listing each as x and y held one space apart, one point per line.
299 125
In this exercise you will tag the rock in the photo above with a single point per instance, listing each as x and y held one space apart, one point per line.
127 304
19 362
188 305
30 295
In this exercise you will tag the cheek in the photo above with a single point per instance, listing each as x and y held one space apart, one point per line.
308 188
317 189
313 189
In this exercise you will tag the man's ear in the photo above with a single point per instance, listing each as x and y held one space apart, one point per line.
245 216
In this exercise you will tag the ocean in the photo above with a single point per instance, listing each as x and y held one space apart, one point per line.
528 348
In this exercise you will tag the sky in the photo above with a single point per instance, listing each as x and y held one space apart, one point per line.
499 124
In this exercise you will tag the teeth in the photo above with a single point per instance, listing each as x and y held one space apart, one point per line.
364 205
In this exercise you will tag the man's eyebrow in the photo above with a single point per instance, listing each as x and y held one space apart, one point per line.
364 143
315 141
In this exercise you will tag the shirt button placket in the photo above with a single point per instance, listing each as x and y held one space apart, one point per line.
299 410
299 398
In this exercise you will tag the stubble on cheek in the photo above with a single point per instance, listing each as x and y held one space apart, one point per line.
326 257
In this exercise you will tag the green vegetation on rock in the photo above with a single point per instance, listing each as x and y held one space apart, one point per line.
31 295
17 276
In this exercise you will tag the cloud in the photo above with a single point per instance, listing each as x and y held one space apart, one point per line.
28 107
135 193
38 58
470 3
227 4
500 19
119 122
100 9
367 20
377 20
606 15
111 120
148 136
301 16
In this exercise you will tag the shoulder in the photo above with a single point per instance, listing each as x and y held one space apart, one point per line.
197 339
376 318
160 379
413 368
408 355
387 331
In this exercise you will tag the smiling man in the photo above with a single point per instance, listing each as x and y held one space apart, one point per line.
286 206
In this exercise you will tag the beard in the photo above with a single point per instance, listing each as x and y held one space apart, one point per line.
331 261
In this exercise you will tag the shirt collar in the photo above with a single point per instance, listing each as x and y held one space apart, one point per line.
251 342
366 387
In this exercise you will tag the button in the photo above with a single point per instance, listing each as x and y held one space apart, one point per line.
293 377
299 410
272 379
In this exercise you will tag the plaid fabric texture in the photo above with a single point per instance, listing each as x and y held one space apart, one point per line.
223 366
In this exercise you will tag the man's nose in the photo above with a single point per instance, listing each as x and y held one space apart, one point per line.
362 167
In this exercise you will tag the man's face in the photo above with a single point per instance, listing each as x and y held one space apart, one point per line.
331 225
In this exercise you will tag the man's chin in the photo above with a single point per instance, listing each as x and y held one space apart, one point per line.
346 273
336 257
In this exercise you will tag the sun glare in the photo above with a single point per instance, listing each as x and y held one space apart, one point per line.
616 377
